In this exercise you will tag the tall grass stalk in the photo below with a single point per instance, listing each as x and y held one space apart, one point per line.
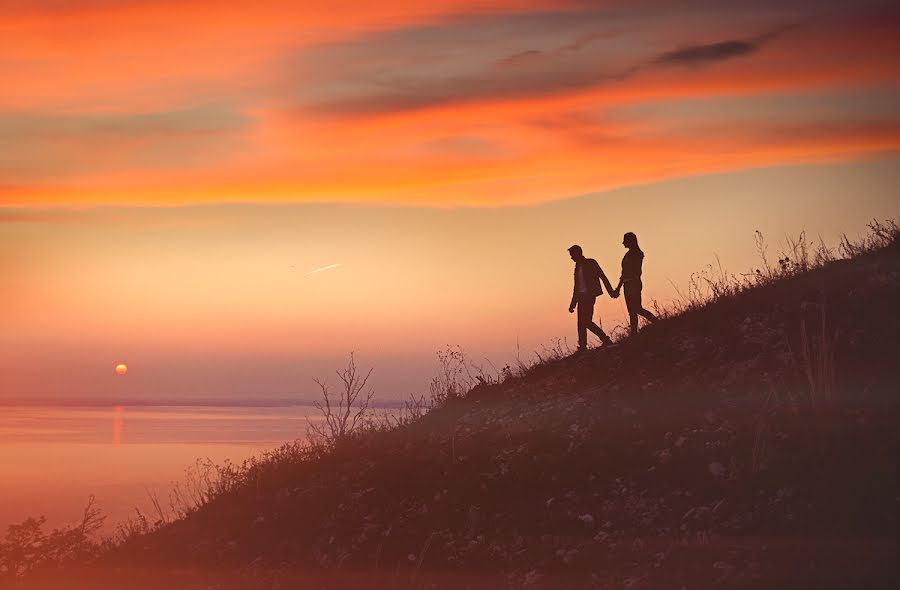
816 359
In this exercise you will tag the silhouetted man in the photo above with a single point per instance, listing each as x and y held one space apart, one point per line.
588 275
632 264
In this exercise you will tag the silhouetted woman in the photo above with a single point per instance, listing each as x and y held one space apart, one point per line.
631 280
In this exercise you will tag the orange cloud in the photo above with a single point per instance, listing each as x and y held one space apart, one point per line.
445 104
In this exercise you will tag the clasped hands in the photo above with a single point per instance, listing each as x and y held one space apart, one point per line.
614 293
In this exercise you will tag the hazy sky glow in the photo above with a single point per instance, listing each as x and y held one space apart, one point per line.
231 196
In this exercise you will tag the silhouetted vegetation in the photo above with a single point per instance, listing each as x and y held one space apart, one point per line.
348 413
797 255
27 548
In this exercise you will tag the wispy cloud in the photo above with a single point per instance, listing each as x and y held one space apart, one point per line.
699 54
35 146
696 55
513 57
324 268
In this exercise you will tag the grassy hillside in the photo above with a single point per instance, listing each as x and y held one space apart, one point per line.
749 443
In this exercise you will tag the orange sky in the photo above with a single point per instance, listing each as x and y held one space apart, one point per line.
170 170
444 103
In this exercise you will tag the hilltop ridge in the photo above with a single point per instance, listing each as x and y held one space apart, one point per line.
750 443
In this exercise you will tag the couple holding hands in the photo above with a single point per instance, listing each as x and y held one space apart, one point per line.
588 276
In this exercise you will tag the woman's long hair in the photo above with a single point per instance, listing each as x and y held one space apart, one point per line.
630 241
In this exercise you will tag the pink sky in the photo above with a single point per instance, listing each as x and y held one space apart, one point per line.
171 172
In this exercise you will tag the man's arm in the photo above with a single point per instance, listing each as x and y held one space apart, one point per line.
574 295
606 283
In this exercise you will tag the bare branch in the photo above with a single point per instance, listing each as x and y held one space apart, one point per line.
92 518
350 410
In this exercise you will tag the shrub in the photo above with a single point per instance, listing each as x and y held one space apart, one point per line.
346 414
453 380
27 548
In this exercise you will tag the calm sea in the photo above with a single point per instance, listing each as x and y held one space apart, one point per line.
53 458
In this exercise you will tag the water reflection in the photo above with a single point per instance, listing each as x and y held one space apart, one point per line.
118 419
53 458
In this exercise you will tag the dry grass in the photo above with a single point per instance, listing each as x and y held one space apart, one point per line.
796 256
815 355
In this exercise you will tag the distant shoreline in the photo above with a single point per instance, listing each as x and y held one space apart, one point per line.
190 403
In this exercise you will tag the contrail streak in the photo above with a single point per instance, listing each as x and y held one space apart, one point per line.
329 267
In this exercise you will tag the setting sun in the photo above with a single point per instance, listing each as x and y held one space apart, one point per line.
121 369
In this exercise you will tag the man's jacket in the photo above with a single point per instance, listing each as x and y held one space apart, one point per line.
592 277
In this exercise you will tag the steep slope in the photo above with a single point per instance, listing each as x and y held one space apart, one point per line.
696 454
